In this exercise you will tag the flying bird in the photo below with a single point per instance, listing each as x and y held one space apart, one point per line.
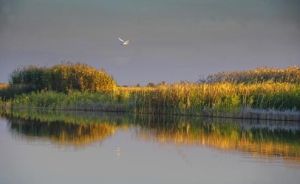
123 42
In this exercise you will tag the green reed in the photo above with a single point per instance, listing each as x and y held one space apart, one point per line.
172 99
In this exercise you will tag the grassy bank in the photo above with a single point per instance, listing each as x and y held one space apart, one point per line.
184 99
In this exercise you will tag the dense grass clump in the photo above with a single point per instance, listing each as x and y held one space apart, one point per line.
259 75
62 78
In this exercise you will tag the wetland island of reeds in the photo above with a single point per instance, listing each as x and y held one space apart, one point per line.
262 93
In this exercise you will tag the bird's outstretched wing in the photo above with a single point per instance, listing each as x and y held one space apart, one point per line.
121 40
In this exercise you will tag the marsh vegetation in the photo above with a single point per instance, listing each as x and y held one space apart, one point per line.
81 87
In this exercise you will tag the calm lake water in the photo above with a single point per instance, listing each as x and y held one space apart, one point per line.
50 148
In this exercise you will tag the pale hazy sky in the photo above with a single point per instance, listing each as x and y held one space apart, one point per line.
171 40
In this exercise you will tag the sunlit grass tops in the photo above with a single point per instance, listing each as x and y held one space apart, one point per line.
258 75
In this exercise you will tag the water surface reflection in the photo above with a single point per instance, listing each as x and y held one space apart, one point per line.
263 139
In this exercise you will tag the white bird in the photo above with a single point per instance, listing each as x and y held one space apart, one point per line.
123 42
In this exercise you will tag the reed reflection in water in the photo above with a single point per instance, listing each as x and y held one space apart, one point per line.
265 139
